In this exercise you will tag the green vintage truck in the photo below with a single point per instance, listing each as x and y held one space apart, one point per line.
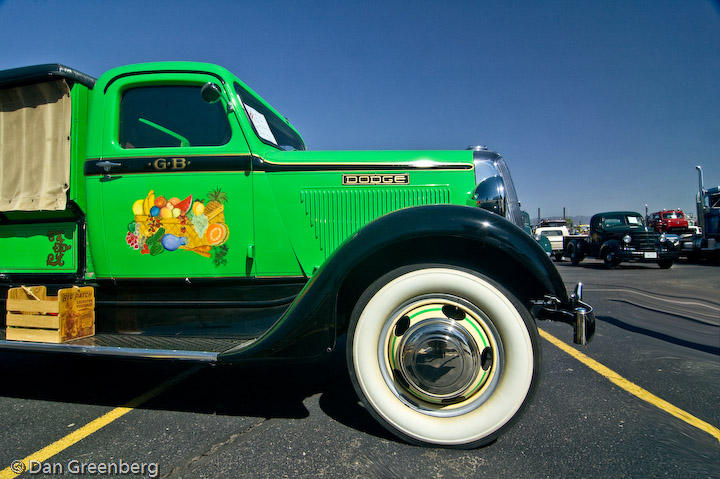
210 233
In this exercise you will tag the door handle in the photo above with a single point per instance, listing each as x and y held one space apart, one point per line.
106 165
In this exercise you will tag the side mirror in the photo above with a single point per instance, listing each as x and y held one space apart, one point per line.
210 92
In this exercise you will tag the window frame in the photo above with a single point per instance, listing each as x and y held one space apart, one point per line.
236 84
164 84
103 116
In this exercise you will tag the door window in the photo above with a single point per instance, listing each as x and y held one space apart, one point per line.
171 116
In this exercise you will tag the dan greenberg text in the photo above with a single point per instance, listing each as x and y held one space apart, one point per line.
120 467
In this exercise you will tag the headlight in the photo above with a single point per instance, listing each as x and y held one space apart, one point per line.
627 239
489 164
663 238
490 195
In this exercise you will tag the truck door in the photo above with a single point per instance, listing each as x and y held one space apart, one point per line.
172 188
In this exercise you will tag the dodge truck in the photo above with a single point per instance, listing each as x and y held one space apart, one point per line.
210 233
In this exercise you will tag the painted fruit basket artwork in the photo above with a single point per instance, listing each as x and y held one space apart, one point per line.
161 225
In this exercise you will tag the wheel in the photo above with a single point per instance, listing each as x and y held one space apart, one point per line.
575 255
558 257
610 259
442 355
665 263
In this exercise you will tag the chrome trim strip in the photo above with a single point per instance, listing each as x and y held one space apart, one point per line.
260 164
243 162
110 351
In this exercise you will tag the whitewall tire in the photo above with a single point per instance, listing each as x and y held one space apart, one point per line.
442 355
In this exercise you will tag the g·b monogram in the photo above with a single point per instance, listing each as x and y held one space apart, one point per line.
172 164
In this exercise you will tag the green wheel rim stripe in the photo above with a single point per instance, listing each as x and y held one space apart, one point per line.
424 311
480 333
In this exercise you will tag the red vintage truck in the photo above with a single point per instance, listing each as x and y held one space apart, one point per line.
669 221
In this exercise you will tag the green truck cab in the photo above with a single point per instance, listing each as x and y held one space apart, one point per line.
210 233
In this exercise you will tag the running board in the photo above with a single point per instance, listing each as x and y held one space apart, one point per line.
135 346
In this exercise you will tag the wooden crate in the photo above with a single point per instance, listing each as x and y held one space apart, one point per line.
32 315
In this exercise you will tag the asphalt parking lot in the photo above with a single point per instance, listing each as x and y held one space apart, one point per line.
658 330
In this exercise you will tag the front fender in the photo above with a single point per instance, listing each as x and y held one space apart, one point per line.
613 244
308 326
545 244
484 228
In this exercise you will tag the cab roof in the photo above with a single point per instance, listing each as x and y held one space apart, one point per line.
162 67
217 71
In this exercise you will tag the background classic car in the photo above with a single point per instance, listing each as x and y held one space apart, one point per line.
617 236
556 235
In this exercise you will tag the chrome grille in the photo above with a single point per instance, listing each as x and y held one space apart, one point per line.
643 240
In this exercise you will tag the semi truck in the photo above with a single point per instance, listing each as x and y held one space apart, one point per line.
209 232
706 244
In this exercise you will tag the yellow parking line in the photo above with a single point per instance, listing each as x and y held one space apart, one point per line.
95 425
631 387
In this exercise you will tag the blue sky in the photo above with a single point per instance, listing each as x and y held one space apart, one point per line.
595 104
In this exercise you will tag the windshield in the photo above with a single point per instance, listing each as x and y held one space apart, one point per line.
623 220
551 233
674 215
268 126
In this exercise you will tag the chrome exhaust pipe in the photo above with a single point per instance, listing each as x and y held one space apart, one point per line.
701 183
584 325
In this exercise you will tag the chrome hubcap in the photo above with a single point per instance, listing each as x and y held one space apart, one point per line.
440 355
438 359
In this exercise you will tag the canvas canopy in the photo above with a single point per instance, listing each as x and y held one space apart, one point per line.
35 146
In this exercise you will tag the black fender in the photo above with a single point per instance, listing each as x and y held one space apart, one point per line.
580 245
310 325
612 244
576 250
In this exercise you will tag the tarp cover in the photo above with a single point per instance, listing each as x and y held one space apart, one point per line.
35 146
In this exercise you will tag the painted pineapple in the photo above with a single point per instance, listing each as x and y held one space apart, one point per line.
214 207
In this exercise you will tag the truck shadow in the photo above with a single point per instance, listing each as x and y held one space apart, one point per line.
266 392
621 266
706 348
341 403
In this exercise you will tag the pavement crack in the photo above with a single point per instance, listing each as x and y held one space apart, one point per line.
182 470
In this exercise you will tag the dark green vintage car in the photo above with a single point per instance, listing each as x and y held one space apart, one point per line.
210 233
618 236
